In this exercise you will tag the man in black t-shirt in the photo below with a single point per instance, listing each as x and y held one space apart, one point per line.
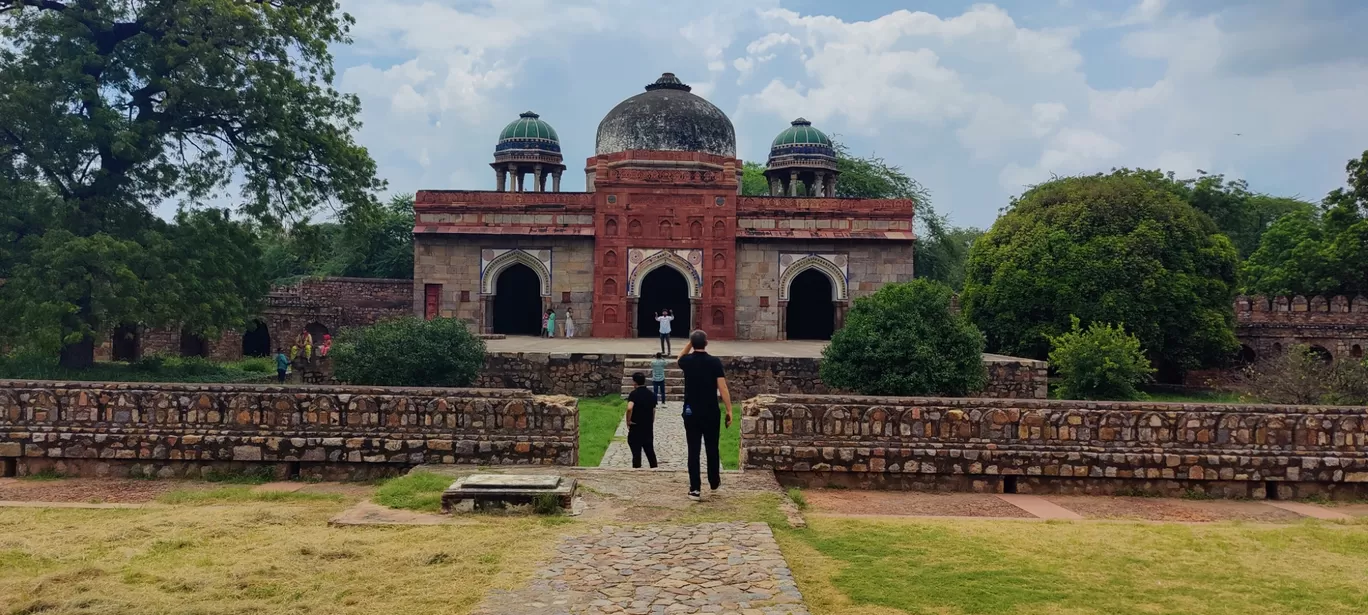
703 381
641 404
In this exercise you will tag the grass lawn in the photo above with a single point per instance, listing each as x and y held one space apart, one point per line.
951 567
421 491
149 369
268 554
598 421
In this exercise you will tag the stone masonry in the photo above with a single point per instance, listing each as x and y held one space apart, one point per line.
579 375
1267 326
92 428
1055 446
751 376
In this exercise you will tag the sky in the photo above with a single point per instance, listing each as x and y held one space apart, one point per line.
975 100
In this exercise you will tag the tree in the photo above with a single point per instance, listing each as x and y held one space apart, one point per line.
905 340
1106 248
1322 251
753 181
112 107
377 242
1100 362
409 352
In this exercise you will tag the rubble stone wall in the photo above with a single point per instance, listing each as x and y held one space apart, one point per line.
578 375
751 376
1056 446
169 430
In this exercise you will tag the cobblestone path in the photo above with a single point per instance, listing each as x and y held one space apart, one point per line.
671 450
666 569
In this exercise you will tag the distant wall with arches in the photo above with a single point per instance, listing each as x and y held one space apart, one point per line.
1335 326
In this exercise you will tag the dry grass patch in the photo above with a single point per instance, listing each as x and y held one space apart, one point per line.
953 567
263 557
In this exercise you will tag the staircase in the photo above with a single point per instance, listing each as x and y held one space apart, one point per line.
674 377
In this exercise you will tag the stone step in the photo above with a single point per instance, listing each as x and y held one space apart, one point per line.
630 362
669 391
669 380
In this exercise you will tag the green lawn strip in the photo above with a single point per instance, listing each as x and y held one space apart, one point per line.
972 567
242 493
729 441
151 369
598 421
420 491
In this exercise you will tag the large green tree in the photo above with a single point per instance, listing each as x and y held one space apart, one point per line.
1110 248
109 108
1321 251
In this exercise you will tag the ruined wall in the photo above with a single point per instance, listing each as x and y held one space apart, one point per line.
871 265
751 376
1267 326
118 429
453 261
1054 446
580 375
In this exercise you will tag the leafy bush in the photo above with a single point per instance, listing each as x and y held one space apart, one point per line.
151 368
905 340
255 364
1100 362
1303 376
409 352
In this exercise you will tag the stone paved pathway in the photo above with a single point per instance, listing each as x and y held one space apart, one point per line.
671 449
706 568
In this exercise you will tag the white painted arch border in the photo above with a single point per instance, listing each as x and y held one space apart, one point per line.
840 290
489 275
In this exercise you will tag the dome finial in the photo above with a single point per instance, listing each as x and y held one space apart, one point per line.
529 114
668 81
801 122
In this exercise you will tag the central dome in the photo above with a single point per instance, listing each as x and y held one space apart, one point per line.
666 118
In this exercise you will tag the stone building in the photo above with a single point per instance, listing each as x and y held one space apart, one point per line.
662 225
1334 327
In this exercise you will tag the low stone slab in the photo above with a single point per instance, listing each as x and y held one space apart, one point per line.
481 490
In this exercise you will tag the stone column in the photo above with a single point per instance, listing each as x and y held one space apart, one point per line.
776 187
537 176
783 321
555 181
793 183
831 188
817 186
519 175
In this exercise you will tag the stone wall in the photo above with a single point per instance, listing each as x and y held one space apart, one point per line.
871 265
170 430
1053 446
1266 326
579 375
454 262
751 376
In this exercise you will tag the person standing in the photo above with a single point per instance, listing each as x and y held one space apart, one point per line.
551 322
704 381
569 322
658 376
664 318
283 364
641 405
543 329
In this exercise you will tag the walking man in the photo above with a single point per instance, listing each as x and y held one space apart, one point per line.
641 405
703 382
658 376
664 318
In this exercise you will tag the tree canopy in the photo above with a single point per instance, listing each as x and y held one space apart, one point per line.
1320 251
110 109
1112 248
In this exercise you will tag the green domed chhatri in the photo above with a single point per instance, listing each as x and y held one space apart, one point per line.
529 125
801 133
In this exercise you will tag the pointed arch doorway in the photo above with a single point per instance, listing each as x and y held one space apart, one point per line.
664 288
517 301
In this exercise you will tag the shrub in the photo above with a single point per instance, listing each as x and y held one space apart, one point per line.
905 340
265 365
1100 362
1303 376
409 352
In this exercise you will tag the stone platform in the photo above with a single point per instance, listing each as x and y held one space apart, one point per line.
481 490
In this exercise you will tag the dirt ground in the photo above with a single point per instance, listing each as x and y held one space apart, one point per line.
1170 509
1356 509
91 490
854 502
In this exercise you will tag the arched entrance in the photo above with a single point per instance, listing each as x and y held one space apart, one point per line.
192 345
664 289
517 301
256 342
125 343
316 331
811 312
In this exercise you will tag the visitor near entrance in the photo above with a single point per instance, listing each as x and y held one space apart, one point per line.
551 323
569 322
543 325
704 381
282 365
641 405
658 376
664 318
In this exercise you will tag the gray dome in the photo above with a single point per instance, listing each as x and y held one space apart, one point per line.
666 118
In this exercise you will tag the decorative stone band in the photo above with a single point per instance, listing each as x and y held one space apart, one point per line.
1059 446
182 426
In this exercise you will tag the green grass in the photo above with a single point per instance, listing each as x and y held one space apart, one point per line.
796 496
150 369
990 567
43 475
249 476
598 420
421 491
729 441
237 494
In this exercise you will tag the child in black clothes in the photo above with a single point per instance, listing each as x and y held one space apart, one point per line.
641 403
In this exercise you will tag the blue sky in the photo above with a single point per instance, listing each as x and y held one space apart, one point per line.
975 100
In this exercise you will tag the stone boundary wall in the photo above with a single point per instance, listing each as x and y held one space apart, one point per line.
1267 326
94 428
751 376
578 375
1056 446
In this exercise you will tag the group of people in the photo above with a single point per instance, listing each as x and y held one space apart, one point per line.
548 328
301 353
704 382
